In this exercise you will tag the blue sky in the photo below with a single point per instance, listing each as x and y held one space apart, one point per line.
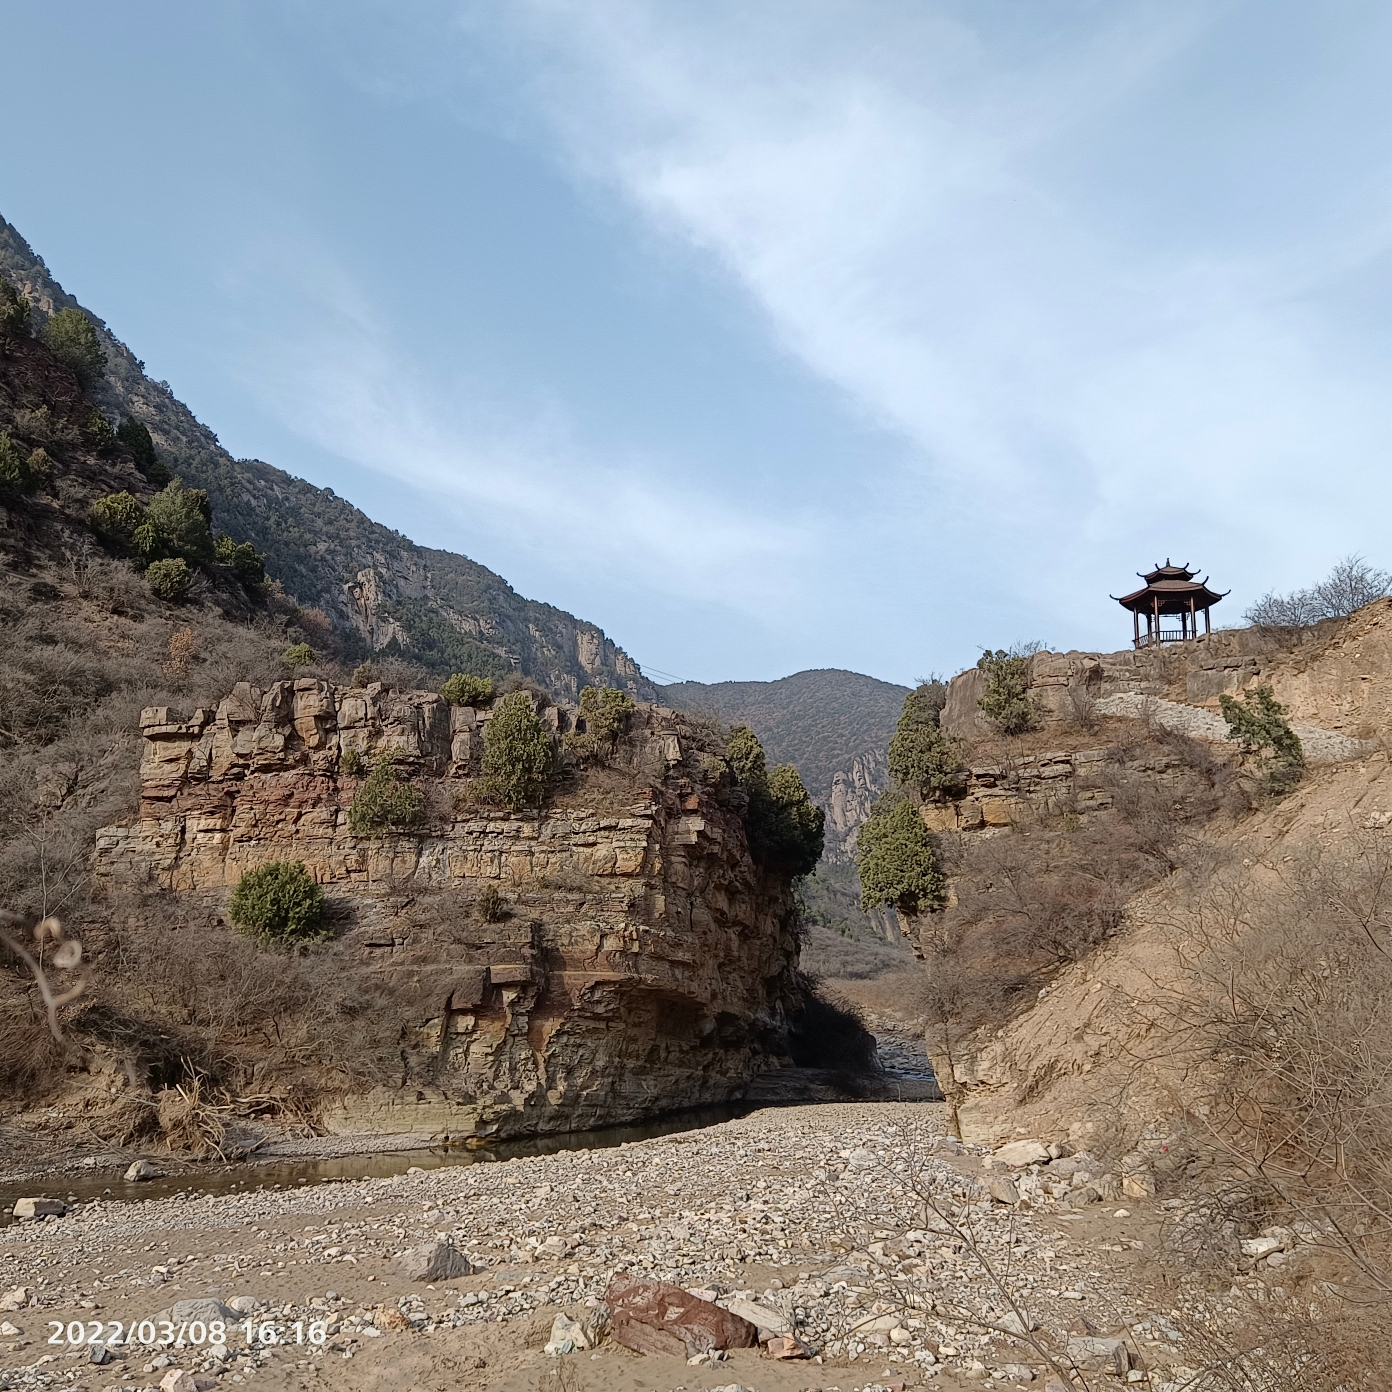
766 335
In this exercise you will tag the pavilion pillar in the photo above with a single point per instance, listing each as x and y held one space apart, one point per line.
1207 630
1136 625
1155 604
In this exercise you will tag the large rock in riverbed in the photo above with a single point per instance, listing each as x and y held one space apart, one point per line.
658 1317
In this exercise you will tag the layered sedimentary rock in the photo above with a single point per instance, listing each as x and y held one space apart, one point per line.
614 956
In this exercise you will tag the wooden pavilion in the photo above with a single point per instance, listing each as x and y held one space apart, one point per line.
1170 592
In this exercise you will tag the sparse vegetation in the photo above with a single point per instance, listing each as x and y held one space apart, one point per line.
600 724
519 761
71 337
462 689
786 829
351 763
1349 586
1258 723
1006 701
279 903
386 802
490 904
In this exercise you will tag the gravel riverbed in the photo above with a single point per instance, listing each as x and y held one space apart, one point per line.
813 1212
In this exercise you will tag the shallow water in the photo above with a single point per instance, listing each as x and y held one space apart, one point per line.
292 1172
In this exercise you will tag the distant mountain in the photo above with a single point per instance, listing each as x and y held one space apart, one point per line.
381 592
833 726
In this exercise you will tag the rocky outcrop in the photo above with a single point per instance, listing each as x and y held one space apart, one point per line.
615 956
853 793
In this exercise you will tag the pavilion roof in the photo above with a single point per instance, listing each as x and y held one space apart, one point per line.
1171 593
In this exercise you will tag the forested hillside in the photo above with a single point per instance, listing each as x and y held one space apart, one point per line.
376 590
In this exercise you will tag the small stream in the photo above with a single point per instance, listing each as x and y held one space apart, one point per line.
292 1171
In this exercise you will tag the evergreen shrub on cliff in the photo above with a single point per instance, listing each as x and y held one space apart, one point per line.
898 862
22 473
298 655
169 579
242 558
136 438
921 757
14 311
786 828
71 338
519 761
279 903
464 690
1258 722
386 802
1006 702
600 723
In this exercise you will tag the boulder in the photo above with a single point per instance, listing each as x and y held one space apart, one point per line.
434 1261
15 1299
567 1336
1080 1198
143 1169
768 1322
177 1380
1018 1372
10 1331
1098 1355
660 1318
1002 1189
789 1346
1018 1154
39 1208
100 1354
206 1311
1017 1325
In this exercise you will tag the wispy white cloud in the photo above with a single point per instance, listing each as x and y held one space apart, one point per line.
908 194
507 468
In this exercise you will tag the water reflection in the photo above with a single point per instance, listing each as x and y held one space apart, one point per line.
292 1173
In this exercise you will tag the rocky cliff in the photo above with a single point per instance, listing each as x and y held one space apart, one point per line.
1103 1045
381 591
614 956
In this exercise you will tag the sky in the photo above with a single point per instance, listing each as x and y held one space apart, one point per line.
768 334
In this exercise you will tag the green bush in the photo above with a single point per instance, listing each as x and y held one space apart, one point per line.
490 904
464 690
22 474
100 430
279 903
518 759
301 655
921 757
242 558
116 518
14 311
351 762
169 579
72 339
136 438
600 724
181 519
787 831
1258 722
364 674
898 862
386 803
1006 702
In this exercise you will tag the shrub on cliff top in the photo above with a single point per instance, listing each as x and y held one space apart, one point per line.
386 802
71 338
279 903
1006 701
464 690
921 757
300 655
600 723
244 560
786 829
518 758
898 862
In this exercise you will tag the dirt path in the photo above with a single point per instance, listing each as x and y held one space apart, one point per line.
804 1209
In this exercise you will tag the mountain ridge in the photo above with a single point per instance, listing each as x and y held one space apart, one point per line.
380 591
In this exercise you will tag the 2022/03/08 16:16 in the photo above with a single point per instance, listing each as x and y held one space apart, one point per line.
195 1333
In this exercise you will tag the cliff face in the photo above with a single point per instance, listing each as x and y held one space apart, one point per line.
639 961
380 589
